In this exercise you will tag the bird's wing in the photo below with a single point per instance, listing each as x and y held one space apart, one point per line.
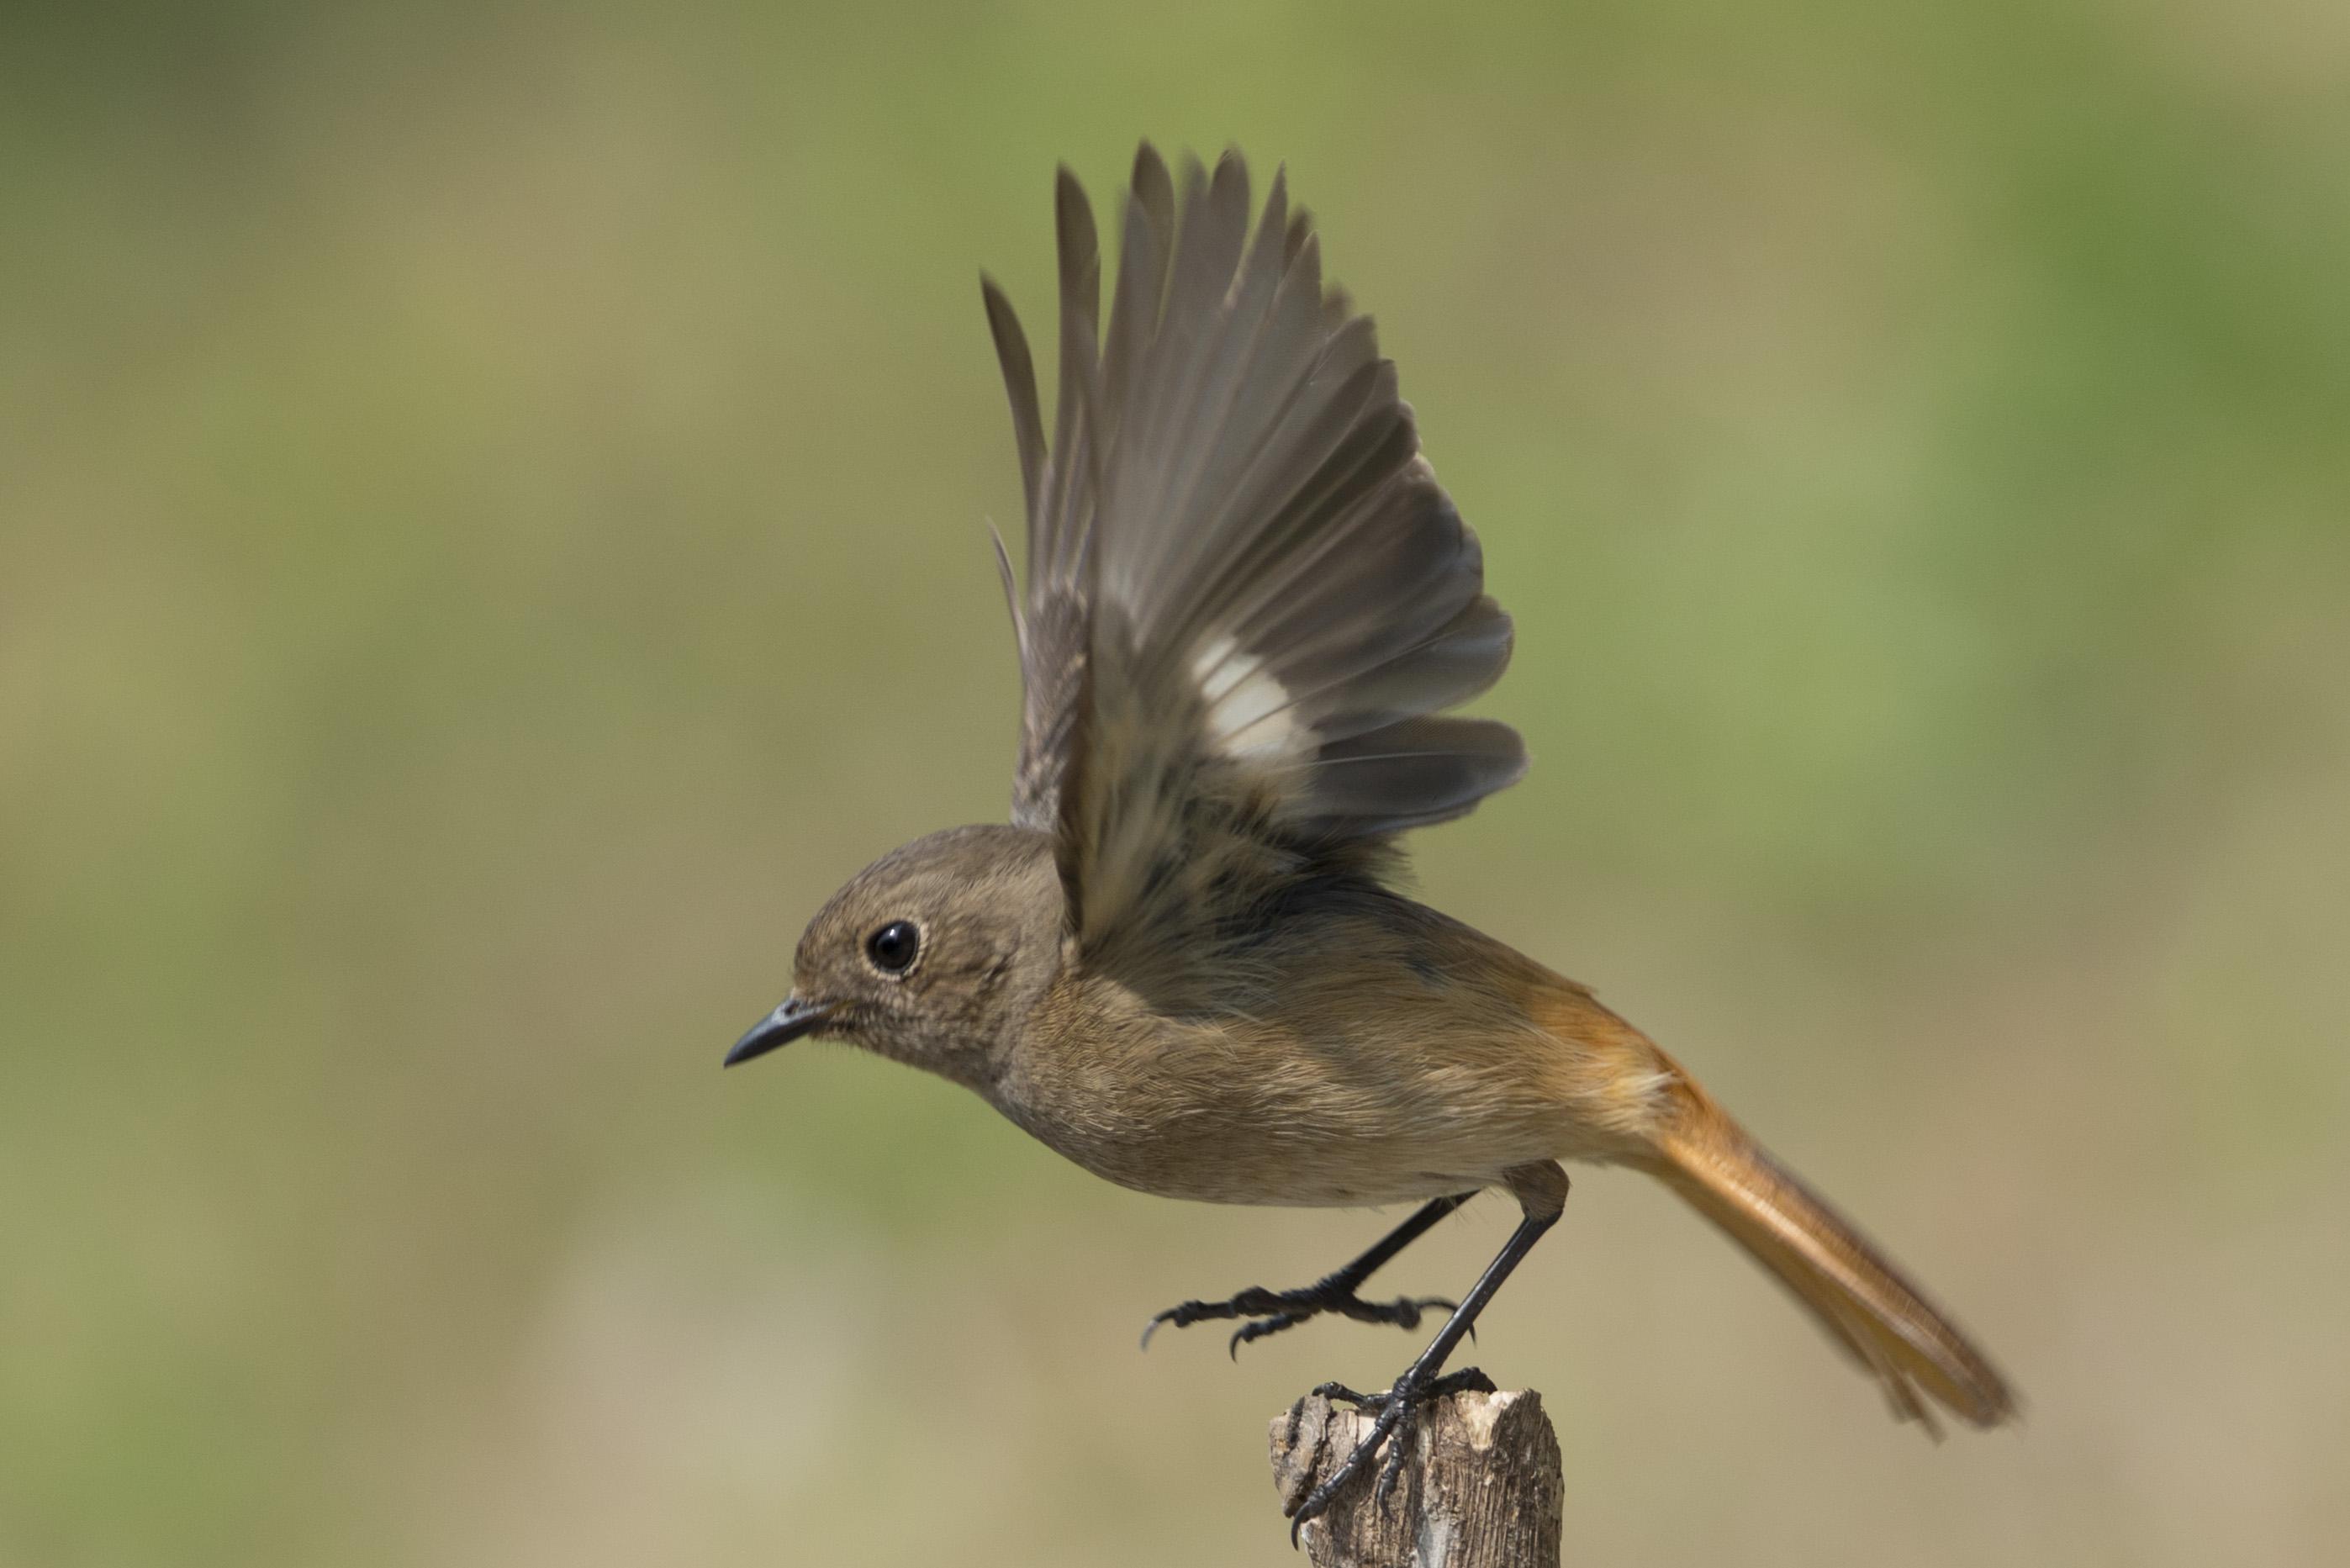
1248 600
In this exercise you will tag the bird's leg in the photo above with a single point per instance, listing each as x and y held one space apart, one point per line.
1542 1191
1270 1312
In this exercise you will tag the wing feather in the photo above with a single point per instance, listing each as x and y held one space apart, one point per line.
1019 387
1248 601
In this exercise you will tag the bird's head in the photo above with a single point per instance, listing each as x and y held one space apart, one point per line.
932 955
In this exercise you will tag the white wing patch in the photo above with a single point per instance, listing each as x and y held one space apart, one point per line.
1250 714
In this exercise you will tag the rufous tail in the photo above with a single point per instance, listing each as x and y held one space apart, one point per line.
1880 1318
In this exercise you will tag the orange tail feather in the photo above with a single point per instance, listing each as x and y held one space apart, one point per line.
1880 1317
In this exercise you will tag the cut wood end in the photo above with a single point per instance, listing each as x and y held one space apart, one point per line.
1480 1485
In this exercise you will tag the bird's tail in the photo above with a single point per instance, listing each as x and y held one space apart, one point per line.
1880 1318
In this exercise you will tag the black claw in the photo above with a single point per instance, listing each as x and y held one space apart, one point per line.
1388 1473
1398 1408
1424 1302
1469 1380
1270 1312
1263 1327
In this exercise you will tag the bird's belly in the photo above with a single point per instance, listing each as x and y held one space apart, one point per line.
1193 1123
1262 1165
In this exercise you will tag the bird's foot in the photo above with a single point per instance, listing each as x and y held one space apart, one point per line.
1270 1312
1396 1408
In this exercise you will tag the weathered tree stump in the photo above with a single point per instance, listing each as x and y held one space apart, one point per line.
1480 1485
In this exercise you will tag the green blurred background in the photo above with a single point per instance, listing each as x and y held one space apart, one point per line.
491 532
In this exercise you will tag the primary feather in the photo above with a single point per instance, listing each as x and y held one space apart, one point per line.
1248 600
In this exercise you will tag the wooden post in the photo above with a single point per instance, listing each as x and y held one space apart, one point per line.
1480 1485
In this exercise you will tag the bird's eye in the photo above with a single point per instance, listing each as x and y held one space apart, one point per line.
893 946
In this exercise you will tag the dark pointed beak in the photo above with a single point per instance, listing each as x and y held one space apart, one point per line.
781 1027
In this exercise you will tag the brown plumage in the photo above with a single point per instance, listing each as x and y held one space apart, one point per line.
1248 606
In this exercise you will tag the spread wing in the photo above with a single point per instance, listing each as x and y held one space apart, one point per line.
1248 601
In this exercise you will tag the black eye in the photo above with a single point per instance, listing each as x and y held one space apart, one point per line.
893 946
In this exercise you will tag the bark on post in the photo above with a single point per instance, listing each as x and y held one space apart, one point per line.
1480 1485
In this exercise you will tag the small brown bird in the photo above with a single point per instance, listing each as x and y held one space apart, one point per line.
1182 963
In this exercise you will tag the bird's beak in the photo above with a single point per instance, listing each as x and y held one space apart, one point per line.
781 1027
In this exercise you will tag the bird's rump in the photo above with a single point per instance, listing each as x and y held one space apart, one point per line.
1248 600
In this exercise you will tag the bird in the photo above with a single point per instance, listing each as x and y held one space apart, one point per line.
1186 962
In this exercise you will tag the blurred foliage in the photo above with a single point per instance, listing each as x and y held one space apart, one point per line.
490 511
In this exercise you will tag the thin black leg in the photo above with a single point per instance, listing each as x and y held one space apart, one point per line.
1384 1250
1421 1382
1272 1311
